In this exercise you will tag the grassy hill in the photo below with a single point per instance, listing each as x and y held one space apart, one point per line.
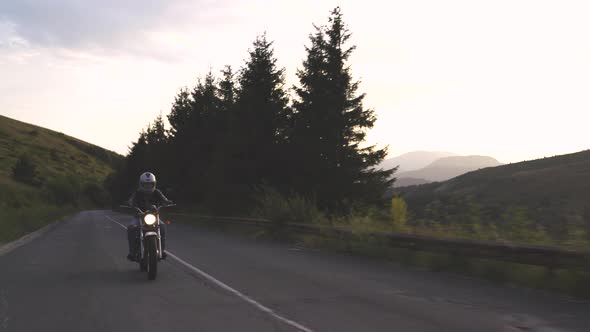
405 182
55 154
68 175
547 198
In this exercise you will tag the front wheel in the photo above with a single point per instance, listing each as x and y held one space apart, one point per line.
152 257
143 263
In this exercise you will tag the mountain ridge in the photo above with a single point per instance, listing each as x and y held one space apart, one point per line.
414 160
449 167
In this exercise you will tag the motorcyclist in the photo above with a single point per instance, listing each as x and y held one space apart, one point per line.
143 198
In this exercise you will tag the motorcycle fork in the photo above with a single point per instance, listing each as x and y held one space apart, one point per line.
159 240
141 246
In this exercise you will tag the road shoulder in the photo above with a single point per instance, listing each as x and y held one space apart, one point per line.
10 246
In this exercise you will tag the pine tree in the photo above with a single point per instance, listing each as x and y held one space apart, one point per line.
157 153
205 109
194 140
136 161
227 89
219 173
179 140
308 127
156 132
209 107
180 113
330 124
261 117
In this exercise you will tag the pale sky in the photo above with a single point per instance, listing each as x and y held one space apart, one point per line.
505 78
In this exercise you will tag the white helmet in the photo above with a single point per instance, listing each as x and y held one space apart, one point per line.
147 182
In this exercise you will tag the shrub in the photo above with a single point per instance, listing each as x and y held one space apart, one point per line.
25 170
96 194
399 212
520 228
63 190
279 208
54 155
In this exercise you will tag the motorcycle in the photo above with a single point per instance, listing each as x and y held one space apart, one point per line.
150 239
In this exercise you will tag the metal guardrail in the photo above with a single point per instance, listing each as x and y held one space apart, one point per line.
553 257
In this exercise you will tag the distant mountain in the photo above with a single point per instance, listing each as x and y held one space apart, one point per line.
414 160
449 167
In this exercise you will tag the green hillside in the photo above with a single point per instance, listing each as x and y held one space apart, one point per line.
55 154
549 196
68 175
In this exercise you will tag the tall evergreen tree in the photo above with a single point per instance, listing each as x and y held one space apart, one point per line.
308 126
205 110
330 124
123 181
156 132
220 164
193 135
261 117
157 154
208 106
180 140
227 89
231 135
180 113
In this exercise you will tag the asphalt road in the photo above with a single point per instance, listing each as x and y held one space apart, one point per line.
76 278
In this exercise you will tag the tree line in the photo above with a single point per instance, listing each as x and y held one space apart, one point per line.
231 135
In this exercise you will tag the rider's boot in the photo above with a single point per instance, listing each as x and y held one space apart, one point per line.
133 239
163 240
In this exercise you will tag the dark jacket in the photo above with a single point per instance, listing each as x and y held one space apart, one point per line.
144 200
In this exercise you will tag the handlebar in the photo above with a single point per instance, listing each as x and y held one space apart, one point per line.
140 211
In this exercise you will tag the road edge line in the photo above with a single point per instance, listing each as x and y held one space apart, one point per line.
229 289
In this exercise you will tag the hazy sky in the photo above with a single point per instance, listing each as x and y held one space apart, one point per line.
510 79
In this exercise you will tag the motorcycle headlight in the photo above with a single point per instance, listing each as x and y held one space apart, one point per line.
149 219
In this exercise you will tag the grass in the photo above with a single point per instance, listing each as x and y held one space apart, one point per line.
570 281
549 193
363 225
15 223
24 209
55 154
67 174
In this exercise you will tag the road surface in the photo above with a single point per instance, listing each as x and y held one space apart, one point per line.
76 278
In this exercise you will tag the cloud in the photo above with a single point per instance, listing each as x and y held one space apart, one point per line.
13 48
107 27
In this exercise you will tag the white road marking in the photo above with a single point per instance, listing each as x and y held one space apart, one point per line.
229 289
116 222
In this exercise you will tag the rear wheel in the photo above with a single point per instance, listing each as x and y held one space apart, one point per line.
152 257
